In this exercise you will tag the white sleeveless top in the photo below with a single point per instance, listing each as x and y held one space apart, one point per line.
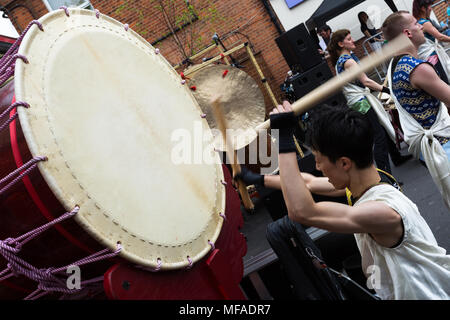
417 268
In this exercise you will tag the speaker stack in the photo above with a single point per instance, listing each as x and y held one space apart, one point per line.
310 70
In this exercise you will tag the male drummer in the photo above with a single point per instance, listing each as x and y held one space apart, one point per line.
423 82
394 240
419 91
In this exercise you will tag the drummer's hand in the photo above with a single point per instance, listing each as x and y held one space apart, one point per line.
285 107
249 177
282 118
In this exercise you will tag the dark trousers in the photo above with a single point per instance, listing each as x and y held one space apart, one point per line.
380 148
392 149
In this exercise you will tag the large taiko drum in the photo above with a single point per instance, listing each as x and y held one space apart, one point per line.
92 145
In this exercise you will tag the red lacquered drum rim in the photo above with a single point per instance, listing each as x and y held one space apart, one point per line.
32 191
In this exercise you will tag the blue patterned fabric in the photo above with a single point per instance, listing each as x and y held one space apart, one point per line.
423 107
340 65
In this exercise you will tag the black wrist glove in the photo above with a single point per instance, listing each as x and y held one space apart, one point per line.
286 124
249 177
386 90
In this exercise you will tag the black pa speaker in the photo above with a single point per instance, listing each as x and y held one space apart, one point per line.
299 49
305 82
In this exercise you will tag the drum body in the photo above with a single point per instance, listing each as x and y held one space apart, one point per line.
31 204
106 138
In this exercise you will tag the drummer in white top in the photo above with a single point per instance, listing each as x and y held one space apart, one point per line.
398 249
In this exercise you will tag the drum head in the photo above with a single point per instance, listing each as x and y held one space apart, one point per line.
103 109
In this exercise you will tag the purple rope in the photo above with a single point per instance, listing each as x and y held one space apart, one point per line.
8 61
97 13
190 263
9 73
20 241
6 124
14 105
13 49
46 278
28 167
66 10
12 60
98 256
223 182
126 26
212 245
222 215
158 266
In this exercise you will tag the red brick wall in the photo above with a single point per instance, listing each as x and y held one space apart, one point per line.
249 16
440 11
21 16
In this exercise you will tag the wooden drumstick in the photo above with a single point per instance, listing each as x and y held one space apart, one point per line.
230 150
336 83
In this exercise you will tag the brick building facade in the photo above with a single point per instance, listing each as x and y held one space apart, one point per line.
235 21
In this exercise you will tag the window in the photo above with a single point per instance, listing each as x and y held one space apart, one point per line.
56 4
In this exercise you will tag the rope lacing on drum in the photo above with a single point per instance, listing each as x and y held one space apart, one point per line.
8 110
156 269
47 278
19 173
191 263
7 69
66 10
7 62
14 48
212 245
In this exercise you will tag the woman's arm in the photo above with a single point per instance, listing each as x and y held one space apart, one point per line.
429 28
365 80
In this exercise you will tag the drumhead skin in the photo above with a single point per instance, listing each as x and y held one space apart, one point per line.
103 108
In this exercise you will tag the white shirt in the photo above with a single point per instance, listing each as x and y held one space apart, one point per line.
415 269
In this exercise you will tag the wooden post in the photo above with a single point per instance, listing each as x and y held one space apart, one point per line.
269 91
261 74
207 49
225 57
231 152
204 64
